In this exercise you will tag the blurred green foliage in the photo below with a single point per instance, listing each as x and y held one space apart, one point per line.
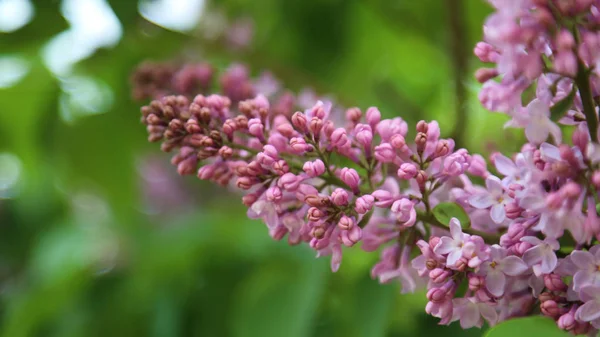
79 256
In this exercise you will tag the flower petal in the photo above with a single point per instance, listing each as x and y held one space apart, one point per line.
549 261
453 257
497 213
504 165
583 278
589 311
583 259
445 246
489 313
495 281
481 200
536 132
513 266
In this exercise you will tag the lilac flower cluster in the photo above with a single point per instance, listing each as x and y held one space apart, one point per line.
527 238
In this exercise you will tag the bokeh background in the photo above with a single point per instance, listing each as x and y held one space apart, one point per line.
100 237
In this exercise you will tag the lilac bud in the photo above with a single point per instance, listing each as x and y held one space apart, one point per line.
384 198
339 197
345 222
274 193
314 169
278 232
483 295
339 138
513 210
422 126
299 121
581 139
298 145
565 63
255 127
350 177
315 214
206 172
328 128
353 115
421 178
439 275
478 166
475 282
305 190
245 183
286 129
315 125
352 236
546 296
385 153
437 295
407 171
225 152
596 179
364 135
486 53
373 116
406 213
550 308
554 283
483 75
364 204
289 182
567 321
571 190
421 141
281 167
398 142
249 199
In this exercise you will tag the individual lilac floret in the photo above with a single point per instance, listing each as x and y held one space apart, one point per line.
541 256
493 198
499 267
587 264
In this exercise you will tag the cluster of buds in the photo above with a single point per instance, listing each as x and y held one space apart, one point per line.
527 238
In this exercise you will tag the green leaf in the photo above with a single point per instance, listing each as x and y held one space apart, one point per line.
445 211
530 326
560 108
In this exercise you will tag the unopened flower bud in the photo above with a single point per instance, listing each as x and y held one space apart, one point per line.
364 204
385 153
353 115
339 197
373 116
350 177
299 121
407 171
345 222
554 283
315 214
314 169
483 75
439 275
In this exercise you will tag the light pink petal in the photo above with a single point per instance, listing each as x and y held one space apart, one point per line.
489 313
494 185
453 257
532 201
497 213
469 316
495 281
336 258
445 246
497 252
533 255
590 293
532 239
555 132
589 311
456 229
583 278
595 250
583 259
537 108
549 152
504 165
549 261
481 200
536 132
513 266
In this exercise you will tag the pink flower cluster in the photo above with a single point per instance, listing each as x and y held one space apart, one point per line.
528 236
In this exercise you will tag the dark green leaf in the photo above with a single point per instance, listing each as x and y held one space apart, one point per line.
530 326
445 211
560 108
